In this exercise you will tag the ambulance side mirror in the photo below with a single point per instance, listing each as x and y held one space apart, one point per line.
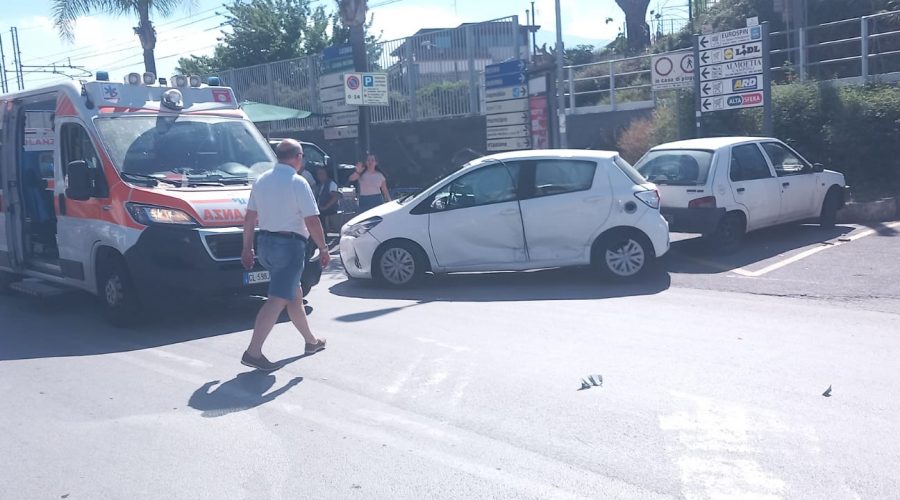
79 185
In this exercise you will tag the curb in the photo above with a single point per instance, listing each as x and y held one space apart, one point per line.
885 209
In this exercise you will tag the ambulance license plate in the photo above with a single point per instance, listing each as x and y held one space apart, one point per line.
256 277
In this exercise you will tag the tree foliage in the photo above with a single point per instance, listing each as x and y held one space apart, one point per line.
264 31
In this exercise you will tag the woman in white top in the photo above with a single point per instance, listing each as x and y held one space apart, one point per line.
373 189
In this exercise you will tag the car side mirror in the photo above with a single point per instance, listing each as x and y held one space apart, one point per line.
79 184
818 168
328 161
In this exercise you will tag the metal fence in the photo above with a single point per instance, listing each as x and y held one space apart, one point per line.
433 74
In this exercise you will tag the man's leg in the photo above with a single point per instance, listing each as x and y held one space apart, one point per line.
298 316
265 321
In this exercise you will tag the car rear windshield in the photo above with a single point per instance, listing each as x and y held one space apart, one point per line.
676 167
630 171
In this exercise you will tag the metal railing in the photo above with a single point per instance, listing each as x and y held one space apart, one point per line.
434 74
852 51
617 84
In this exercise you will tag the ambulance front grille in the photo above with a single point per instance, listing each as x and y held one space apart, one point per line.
225 246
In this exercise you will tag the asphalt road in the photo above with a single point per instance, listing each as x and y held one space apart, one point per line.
713 373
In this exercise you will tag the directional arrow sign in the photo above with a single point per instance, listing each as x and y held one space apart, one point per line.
517 66
508 144
731 86
506 106
505 93
732 69
721 103
347 118
505 80
733 37
507 119
507 132
728 54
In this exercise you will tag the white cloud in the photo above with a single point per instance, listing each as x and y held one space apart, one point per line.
581 19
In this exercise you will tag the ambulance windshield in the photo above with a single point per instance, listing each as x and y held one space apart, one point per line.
191 149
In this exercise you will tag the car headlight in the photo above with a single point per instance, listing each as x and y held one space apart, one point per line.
150 214
360 228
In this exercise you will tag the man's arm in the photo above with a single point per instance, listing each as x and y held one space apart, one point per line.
317 233
332 200
247 255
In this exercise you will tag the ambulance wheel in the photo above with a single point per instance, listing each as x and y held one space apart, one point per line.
116 290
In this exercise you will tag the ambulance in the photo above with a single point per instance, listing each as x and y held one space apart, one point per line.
135 191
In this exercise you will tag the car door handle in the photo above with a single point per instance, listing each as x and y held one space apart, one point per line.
593 199
785 184
509 211
741 190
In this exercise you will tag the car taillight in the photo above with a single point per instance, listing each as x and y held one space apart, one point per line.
705 202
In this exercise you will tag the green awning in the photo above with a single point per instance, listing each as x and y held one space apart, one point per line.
259 112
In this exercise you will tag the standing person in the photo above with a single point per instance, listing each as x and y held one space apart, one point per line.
373 189
327 195
283 204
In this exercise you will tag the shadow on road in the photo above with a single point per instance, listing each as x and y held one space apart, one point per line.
550 284
244 392
71 325
692 256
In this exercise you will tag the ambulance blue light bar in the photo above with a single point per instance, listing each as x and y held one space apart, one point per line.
214 81
102 76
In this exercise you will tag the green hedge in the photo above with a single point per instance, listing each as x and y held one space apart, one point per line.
851 129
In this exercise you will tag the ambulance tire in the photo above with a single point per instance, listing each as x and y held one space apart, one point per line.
116 290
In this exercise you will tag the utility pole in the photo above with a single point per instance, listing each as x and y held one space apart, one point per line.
4 84
533 31
560 92
17 61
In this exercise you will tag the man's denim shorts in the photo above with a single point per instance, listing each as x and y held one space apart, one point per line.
284 258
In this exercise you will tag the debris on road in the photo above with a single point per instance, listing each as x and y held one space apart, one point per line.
827 392
591 381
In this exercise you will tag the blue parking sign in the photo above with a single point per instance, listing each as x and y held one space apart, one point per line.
368 81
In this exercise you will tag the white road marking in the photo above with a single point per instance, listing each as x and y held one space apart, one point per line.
812 251
404 376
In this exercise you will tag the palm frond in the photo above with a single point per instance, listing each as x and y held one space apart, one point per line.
65 12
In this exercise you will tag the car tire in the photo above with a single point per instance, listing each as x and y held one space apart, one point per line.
728 234
830 207
622 255
399 264
117 293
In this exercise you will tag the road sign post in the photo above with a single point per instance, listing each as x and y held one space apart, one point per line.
698 128
768 119
506 106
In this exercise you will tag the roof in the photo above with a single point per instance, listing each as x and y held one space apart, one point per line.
708 143
559 153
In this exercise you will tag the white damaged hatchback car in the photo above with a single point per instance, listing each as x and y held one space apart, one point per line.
511 212
723 187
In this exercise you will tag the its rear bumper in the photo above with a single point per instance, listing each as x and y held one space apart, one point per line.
692 220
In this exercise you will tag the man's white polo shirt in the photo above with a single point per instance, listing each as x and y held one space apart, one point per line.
283 198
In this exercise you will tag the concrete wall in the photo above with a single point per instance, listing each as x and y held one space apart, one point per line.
414 154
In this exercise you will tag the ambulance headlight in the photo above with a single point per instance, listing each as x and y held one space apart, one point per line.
173 99
150 214
149 78
179 81
195 81
133 79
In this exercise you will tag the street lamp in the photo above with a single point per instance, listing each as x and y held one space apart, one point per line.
561 98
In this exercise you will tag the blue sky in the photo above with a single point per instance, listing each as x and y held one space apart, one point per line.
103 42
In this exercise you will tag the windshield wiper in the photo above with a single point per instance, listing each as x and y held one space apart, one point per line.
154 180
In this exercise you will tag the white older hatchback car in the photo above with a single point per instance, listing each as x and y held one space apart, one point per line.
514 211
723 187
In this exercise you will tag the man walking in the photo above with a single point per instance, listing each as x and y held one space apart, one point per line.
283 204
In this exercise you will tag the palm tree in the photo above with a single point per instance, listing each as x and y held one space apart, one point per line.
65 12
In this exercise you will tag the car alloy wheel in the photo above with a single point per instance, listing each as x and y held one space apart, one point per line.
115 291
625 259
398 266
